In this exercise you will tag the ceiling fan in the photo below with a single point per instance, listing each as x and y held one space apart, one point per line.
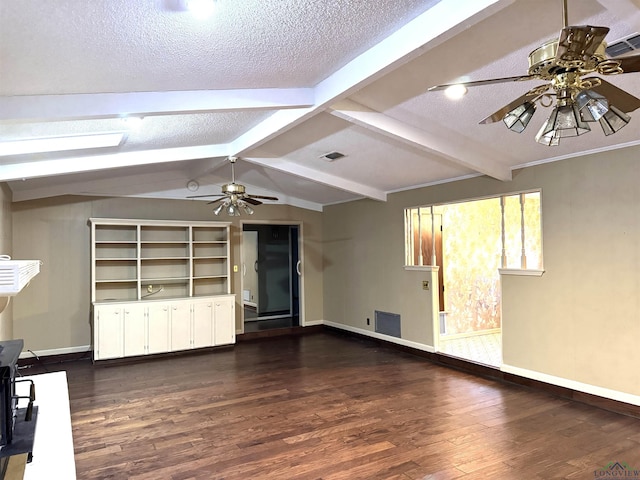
234 197
563 63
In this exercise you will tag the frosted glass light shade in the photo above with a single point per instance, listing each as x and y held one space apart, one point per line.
564 121
613 120
518 118
592 105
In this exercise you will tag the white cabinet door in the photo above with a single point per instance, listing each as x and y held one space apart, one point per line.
180 315
108 332
158 328
141 328
135 335
202 333
224 320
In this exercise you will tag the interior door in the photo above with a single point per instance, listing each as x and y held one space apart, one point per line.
250 293
274 270
277 270
427 245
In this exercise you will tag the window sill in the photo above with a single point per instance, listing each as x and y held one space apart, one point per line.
423 268
520 272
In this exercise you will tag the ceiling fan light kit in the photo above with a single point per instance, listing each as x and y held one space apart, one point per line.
578 51
234 198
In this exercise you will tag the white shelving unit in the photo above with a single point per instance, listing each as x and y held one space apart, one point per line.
160 286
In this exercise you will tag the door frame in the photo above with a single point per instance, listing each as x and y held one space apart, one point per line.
300 226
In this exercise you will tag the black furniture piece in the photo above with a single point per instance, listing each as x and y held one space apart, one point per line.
17 425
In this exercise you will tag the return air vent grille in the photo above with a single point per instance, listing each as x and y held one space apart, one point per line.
331 156
387 323
625 45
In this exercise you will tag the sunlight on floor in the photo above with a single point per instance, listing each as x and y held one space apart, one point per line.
485 349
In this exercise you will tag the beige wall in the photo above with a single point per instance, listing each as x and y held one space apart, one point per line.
53 312
6 317
580 321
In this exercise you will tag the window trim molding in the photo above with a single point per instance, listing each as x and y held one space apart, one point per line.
423 268
521 272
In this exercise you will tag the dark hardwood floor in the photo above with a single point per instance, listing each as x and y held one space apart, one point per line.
324 406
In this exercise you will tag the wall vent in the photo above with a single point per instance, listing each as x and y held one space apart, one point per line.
387 323
331 156
624 45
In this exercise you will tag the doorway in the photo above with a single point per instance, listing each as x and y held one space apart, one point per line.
271 276
470 326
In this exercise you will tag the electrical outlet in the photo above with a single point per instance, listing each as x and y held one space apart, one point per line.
149 288
425 284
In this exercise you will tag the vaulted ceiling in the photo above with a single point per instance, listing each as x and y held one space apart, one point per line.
279 84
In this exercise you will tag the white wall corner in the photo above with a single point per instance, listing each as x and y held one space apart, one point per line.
313 323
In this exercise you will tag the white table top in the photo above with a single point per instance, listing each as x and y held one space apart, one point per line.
53 455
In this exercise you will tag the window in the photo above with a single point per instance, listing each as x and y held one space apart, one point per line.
473 243
515 219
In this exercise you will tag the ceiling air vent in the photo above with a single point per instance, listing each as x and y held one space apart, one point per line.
625 45
331 156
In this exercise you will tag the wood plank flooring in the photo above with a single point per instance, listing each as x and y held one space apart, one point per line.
324 406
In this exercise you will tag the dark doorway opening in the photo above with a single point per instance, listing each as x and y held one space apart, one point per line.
271 276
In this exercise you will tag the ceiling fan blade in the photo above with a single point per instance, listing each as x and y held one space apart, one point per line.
262 197
202 196
617 97
216 200
252 201
629 64
577 44
499 115
483 82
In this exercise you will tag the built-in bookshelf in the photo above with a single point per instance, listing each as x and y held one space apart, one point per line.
160 286
142 259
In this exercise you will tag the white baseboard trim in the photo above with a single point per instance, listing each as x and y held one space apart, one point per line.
55 351
313 323
573 385
380 336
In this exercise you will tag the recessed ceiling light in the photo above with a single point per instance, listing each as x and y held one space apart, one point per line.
133 123
199 8
456 92
60 144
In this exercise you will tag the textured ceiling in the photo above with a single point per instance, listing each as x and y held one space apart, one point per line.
148 45
279 83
